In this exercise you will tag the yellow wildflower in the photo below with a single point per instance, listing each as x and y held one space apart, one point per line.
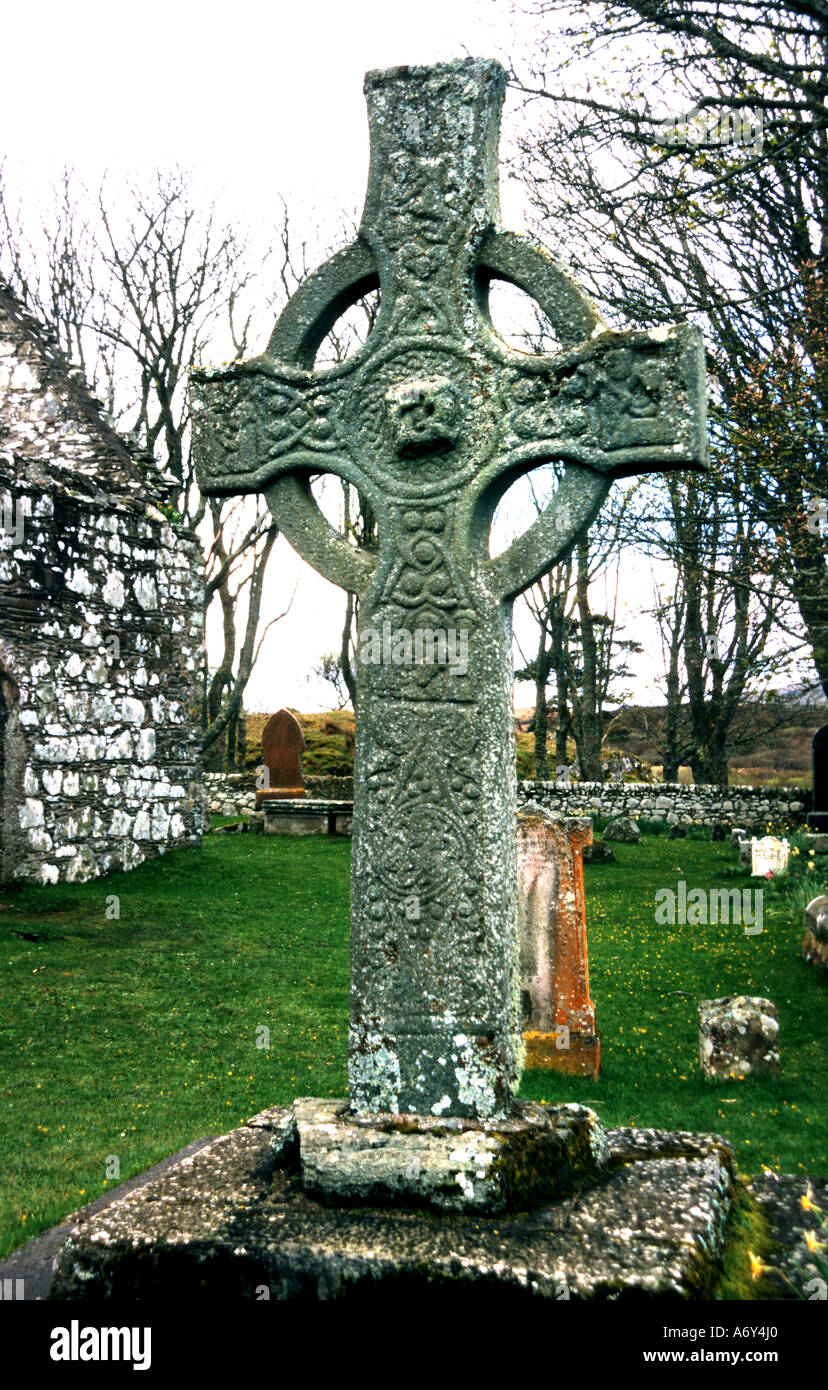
757 1268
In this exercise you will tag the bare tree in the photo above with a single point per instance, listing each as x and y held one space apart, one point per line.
687 174
580 649
135 287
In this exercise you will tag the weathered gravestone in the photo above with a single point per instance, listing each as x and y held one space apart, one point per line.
558 1014
818 817
433 419
768 856
282 744
738 1037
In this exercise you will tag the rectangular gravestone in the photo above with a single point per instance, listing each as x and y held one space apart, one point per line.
558 1015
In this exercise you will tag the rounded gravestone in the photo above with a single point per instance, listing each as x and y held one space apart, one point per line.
815 945
282 744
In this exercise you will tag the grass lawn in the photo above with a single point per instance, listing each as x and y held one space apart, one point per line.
124 1039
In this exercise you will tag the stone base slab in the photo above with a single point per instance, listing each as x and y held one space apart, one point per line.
312 816
233 1221
581 1057
448 1164
295 824
279 794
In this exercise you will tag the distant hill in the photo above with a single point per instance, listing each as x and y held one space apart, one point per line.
769 756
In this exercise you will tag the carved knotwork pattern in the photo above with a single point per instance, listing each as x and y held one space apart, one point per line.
421 843
245 421
611 402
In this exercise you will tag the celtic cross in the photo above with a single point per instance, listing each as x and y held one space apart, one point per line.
432 419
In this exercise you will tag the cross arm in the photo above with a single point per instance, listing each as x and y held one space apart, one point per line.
265 426
257 420
620 404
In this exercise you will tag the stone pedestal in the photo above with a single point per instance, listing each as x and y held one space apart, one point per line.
237 1220
536 1155
292 816
558 1015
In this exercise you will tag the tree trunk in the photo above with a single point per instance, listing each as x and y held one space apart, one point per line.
589 723
345 663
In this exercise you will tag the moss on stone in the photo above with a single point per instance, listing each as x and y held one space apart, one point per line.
748 1233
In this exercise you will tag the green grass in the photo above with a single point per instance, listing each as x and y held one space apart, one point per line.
646 981
132 1037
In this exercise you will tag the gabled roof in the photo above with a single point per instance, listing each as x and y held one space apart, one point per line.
52 424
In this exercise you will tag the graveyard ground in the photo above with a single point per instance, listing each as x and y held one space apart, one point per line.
126 1038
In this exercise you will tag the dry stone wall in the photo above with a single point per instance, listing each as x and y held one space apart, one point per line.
673 802
751 807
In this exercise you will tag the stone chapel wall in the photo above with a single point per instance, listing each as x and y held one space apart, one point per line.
100 635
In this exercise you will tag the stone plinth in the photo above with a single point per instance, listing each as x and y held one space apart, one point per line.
291 816
815 945
738 1037
558 1015
535 1156
234 1221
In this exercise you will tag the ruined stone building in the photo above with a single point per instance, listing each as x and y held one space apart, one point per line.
100 632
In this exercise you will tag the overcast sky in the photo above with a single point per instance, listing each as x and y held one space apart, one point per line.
257 100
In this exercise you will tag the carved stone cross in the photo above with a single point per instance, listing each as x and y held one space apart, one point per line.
433 419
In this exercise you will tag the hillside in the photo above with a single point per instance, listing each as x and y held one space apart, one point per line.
775 751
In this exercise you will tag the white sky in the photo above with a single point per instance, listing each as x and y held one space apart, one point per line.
258 100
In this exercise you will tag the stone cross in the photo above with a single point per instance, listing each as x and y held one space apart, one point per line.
432 419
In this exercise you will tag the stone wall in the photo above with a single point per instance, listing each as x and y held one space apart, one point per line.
234 793
751 807
100 634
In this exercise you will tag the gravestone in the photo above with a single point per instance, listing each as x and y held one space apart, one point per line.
738 1037
558 1015
433 419
282 744
768 856
815 944
818 817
